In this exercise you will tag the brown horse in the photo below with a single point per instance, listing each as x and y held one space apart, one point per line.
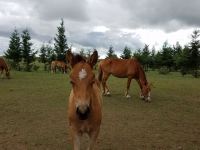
84 109
4 66
124 68
58 65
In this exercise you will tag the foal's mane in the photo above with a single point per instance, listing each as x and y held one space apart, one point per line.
78 58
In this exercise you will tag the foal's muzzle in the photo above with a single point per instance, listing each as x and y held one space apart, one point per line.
83 112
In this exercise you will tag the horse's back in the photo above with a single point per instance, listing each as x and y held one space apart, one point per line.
121 68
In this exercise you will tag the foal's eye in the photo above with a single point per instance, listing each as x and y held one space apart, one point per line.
93 81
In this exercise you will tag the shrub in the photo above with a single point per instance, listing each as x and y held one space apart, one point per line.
35 67
196 73
163 70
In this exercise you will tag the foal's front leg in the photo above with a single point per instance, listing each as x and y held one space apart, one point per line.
76 141
93 137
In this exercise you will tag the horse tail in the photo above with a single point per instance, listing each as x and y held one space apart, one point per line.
100 73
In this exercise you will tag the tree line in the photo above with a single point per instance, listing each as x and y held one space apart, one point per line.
22 56
185 59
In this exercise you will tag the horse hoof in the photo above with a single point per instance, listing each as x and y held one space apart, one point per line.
108 93
128 96
148 100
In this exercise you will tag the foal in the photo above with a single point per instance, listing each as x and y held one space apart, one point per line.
84 109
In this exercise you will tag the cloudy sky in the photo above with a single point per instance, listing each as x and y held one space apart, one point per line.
101 23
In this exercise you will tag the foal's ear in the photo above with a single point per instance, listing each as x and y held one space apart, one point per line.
69 57
93 58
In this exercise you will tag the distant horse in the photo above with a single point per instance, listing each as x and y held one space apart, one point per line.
84 109
4 67
58 65
124 68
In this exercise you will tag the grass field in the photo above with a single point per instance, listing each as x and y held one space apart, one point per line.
33 114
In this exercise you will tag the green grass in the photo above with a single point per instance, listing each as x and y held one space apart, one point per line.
33 114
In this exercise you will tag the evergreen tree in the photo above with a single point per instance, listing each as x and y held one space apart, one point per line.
194 46
183 61
138 55
152 58
177 54
14 50
145 57
27 53
82 53
43 54
126 53
167 56
111 53
60 42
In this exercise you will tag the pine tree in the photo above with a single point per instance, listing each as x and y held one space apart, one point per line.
27 53
43 54
152 58
111 53
167 56
82 53
14 50
126 53
60 42
194 46
145 57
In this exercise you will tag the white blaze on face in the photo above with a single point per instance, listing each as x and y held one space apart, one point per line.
82 74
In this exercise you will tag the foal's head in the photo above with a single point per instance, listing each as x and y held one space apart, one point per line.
82 79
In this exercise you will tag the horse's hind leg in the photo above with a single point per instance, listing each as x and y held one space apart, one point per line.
127 87
105 86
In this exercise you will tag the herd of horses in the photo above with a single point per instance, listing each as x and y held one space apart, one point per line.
85 100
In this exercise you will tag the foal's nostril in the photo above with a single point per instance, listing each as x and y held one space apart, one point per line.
83 112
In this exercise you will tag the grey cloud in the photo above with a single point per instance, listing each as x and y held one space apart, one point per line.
99 40
69 9
169 15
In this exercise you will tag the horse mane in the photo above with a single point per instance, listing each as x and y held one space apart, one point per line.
142 73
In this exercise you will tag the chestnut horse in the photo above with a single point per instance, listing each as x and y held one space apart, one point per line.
124 68
85 100
4 66
60 65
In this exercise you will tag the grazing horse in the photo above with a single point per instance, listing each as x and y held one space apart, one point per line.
4 66
124 68
85 100
60 65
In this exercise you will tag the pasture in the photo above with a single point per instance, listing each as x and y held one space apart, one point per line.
33 114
